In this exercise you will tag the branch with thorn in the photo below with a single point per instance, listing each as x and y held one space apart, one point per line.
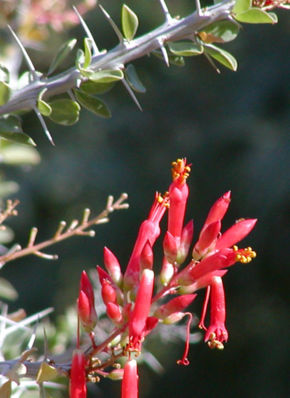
75 228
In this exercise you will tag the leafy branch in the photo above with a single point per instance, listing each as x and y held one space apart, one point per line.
96 71
75 228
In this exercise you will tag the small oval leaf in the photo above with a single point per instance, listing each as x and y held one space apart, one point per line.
185 49
88 52
64 111
106 75
62 53
4 93
223 30
133 79
44 108
10 129
90 87
241 6
222 56
256 15
93 104
129 22
7 291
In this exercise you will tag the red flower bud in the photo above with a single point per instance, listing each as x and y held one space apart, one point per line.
78 387
170 246
235 233
130 380
112 265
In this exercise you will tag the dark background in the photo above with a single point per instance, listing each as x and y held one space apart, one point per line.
233 129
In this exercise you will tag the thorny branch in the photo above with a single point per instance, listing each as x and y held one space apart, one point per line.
171 30
75 228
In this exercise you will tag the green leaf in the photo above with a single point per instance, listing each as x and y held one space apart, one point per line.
256 15
88 52
64 111
4 93
241 6
93 104
4 74
133 79
19 155
80 59
10 129
106 75
129 22
43 107
185 49
176 60
224 30
62 53
222 56
90 87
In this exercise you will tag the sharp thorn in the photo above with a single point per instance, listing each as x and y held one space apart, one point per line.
165 55
112 23
212 63
198 8
43 124
132 95
25 54
88 32
165 10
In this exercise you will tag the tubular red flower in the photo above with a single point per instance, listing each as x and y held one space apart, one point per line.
235 233
137 323
86 304
149 231
177 304
78 387
218 210
112 265
178 194
130 380
206 239
217 333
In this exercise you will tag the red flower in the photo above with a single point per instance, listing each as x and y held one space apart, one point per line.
78 387
86 304
148 232
130 380
139 315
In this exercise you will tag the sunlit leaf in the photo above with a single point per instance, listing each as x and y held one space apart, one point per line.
222 56
133 79
43 107
129 22
106 75
7 291
93 104
62 53
10 129
19 155
4 93
223 31
90 87
241 6
88 52
46 372
185 48
64 111
256 15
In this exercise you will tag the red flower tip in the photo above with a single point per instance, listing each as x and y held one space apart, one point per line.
86 304
206 239
114 312
219 209
78 387
146 256
112 265
130 380
236 233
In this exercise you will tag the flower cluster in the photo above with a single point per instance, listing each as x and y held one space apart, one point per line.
134 303
270 4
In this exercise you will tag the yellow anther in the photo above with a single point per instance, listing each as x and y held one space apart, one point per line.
235 247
